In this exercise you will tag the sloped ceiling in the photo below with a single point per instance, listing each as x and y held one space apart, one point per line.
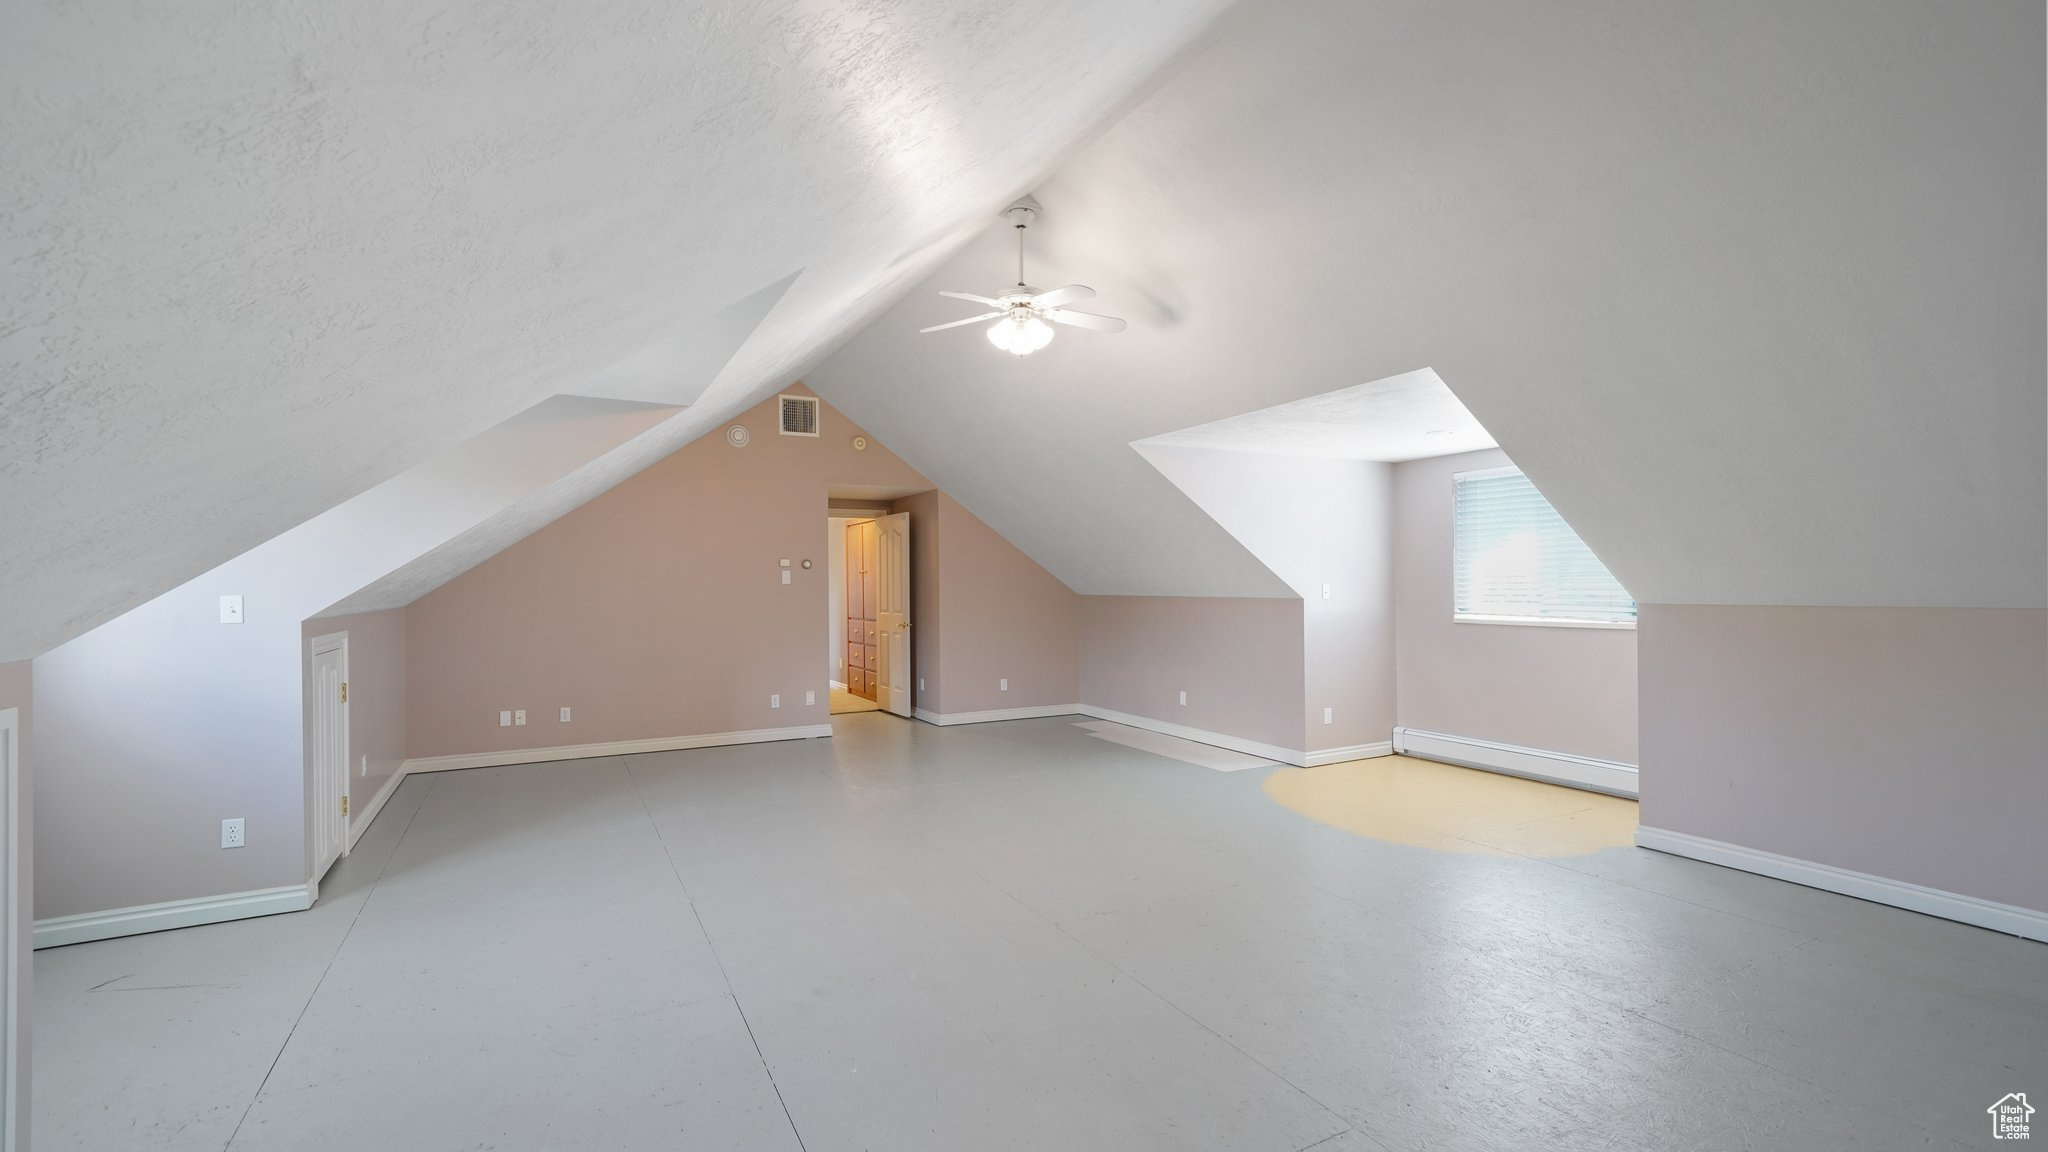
683 362
1753 290
259 259
1412 416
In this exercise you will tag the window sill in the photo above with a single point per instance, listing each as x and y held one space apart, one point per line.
1540 622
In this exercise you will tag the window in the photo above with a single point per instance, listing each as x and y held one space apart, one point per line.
1517 561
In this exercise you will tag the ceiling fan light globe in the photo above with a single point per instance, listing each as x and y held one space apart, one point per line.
1020 335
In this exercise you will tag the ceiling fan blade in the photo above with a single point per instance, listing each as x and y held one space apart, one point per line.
969 320
1085 320
973 297
1071 294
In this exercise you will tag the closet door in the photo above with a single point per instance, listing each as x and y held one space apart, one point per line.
890 666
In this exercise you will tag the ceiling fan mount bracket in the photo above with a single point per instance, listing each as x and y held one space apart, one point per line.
1023 213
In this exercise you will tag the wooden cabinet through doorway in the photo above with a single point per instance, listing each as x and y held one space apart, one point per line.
860 608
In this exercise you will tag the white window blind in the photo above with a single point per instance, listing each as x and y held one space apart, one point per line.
1516 560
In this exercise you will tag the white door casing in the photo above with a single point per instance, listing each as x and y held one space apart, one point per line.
329 786
11 897
892 613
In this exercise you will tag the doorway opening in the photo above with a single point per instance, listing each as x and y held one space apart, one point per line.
868 611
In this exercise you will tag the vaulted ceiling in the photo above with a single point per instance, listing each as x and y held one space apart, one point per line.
1753 289
1412 416
260 258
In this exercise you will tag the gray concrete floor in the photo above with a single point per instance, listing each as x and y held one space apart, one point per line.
1014 936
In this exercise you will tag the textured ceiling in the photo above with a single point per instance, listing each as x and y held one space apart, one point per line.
1753 290
1412 416
499 530
676 369
259 259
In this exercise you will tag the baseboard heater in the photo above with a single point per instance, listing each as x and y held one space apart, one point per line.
1594 775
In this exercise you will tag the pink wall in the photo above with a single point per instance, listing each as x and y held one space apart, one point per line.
656 610
16 691
376 700
1317 522
1240 661
1908 743
1002 616
157 724
1558 689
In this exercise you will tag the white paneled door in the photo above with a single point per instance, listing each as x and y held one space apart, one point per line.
329 681
892 613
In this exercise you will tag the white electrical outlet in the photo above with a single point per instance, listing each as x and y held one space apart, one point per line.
1327 716
775 701
519 717
231 833
811 697
1003 685
231 609
504 719
1183 698
1326 591
565 715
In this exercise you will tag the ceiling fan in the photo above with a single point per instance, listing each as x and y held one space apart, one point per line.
1021 313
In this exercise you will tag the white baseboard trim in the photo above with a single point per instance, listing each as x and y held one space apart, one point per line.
994 714
368 815
1201 736
2008 918
61 930
615 748
1610 776
1322 756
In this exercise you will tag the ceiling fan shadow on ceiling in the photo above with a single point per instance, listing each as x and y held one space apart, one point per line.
1021 313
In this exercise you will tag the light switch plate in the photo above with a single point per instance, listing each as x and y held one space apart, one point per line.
504 719
1328 716
785 575
231 609
1003 685
775 701
811 697
1183 698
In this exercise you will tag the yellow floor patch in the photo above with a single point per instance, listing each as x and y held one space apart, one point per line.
844 702
1403 800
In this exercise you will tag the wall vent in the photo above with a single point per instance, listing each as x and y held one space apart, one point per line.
799 415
